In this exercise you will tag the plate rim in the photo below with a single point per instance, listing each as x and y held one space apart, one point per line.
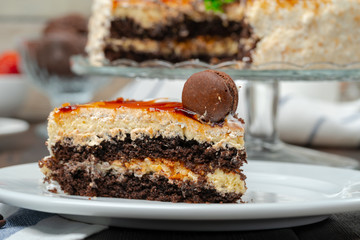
22 126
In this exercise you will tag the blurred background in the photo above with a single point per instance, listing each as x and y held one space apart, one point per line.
55 28
21 21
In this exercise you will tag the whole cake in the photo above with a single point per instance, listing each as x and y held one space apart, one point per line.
254 32
154 150
175 30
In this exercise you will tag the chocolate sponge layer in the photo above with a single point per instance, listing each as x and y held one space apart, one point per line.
179 29
198 157
82 182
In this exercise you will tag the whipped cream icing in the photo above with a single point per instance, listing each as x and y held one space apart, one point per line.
99 29
303 32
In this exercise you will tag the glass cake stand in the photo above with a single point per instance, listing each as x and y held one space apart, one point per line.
262 140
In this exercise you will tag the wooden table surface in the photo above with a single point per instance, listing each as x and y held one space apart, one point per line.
29 147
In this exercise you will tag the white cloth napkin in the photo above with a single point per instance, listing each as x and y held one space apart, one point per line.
308 113
30 225
315 122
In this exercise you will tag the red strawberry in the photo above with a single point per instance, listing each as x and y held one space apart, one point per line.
9 63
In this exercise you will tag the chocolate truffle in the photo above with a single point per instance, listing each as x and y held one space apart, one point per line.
211 94
62 38
74 23
54 50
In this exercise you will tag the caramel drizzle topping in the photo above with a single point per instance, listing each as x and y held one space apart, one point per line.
151 106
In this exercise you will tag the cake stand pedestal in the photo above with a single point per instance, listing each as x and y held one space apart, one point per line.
262 140
262 94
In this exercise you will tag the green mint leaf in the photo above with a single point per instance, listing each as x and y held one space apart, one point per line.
216 5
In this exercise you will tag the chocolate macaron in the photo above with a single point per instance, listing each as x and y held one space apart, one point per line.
211 94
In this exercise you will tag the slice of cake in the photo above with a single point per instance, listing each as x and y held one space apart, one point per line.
155 150
254 32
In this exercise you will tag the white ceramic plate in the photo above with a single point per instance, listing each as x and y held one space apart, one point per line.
10 126
279 195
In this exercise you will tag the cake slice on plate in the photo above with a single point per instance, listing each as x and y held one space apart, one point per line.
155 150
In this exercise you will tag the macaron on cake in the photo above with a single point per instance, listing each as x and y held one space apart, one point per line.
211 94
190 151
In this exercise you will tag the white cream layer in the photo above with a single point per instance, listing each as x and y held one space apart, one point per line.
89 126
213 46
99 29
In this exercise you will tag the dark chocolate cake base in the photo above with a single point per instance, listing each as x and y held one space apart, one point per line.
180 29
196 156
86 171
146 187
